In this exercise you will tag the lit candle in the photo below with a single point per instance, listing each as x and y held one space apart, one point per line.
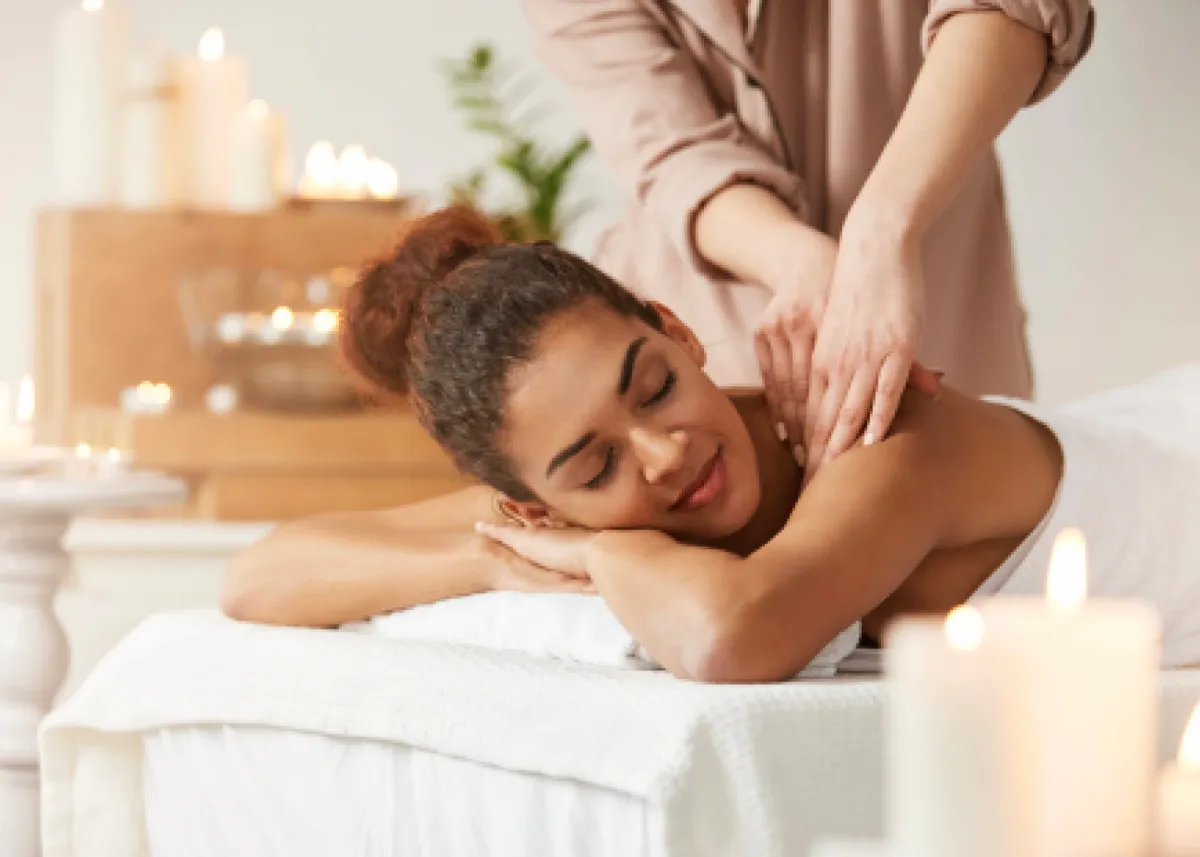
320 179
352 172
946 789
1179 798
16 430
1081 681
382 180
146 398
254 172
88 66
214 93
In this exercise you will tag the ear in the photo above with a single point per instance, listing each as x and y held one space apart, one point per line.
683 335
531 514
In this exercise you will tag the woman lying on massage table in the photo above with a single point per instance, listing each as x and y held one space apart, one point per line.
611 462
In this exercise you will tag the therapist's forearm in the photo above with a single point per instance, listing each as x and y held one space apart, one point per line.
748 232
981 69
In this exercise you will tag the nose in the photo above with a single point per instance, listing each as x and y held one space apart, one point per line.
660 454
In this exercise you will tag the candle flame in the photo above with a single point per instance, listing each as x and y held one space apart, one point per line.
212 45
1189 747
382 181
83 450
257 110
92 5
352 167
325 320
162 394
320 167
113 455
24 412
282 318
964 628
1066 582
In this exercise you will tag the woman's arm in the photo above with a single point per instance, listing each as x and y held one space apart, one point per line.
337 568
982 66
956 472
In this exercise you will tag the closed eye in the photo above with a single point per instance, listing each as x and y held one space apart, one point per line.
664 390
601 479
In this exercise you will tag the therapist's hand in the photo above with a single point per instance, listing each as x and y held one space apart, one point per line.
867 340
787 331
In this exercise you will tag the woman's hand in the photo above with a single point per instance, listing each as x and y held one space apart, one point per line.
788 330
867 340
550 550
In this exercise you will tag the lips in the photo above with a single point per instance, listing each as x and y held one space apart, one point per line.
706 486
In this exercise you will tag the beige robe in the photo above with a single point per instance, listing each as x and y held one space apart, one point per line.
682 99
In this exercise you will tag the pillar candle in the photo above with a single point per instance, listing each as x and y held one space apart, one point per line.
947 793
254 171
214 89
1081 682
150 135
88 63
1178 833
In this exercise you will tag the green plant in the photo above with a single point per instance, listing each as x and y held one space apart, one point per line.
502 106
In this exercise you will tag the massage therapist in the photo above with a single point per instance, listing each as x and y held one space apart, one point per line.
812 184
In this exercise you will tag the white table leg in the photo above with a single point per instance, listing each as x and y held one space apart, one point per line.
33 663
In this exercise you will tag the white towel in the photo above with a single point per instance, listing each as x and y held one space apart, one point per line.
567 627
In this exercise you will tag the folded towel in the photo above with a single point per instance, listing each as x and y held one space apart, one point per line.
568 627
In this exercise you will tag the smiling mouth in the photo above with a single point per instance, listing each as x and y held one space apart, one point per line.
707 484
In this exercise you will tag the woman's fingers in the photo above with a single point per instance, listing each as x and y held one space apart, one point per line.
893 378
852 415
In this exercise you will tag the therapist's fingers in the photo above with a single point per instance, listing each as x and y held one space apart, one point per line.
802 342
779 358
852 415
762 350
893 378
823 414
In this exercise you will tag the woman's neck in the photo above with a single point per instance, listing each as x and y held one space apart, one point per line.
778 473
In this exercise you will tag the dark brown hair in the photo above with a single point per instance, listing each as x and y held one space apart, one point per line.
450 313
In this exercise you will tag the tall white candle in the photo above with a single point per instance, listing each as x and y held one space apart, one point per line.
947 793
85 143
150 135
1178 833
253 184
215 91
1082 684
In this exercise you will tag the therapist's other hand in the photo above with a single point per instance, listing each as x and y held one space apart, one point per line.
787 331
867 341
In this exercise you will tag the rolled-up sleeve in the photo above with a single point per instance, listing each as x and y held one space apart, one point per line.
1067 24
649 113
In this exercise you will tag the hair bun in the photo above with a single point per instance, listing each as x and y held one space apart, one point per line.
382 307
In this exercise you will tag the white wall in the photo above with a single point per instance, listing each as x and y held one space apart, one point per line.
1102 178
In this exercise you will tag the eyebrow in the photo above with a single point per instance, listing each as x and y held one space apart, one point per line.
623 382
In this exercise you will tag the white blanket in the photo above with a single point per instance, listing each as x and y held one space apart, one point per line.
725 769
1131 481
568 627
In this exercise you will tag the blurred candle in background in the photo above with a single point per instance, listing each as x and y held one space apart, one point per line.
89 56
150 139
215 91
254 171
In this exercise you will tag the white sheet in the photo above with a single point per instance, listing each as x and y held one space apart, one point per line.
565 626
1131 481
221 790
721 770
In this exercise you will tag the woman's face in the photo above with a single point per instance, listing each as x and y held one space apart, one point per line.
615 426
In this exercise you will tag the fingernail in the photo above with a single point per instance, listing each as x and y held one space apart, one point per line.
480 527
781 432
799 454
868 438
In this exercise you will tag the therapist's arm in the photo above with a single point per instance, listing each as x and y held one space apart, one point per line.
982 67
